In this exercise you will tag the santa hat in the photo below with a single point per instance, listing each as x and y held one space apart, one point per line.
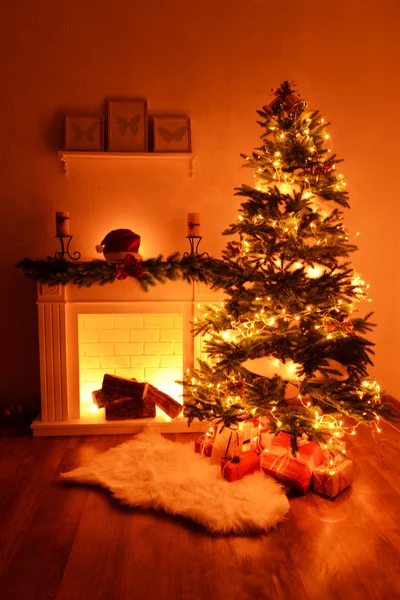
118 243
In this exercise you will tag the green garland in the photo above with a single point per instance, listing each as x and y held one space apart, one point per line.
155 270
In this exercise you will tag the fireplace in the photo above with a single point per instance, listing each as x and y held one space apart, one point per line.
118 329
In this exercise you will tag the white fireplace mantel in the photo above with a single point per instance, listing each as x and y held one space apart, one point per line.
58 310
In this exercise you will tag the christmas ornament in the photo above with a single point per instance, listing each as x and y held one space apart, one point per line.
232 250
345 325
118 243
237 387
285 102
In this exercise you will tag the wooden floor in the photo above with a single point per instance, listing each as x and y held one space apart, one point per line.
71 543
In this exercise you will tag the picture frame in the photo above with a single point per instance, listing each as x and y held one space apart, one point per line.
84 132
172 134
127 126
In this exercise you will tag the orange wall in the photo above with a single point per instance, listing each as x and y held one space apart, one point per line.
216 61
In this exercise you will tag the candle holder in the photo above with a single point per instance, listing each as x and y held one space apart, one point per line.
194 241
65 249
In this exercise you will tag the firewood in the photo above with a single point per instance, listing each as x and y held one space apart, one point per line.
101 398
128 408
114 385
170 406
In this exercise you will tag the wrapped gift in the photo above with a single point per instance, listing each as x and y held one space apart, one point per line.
247 426
282 439
292 471
239 466
332 479
254 438
265 420
266 438
227 443
287 469
204 445
310 454
332 457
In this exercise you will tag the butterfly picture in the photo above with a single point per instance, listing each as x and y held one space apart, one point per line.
171 134
127 126
84 132
81 133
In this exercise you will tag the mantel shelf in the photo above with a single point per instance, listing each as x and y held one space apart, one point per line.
66 156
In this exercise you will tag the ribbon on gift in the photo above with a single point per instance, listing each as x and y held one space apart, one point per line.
203 439
234 459
229 443
284 455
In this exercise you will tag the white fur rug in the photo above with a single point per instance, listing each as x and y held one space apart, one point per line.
152 472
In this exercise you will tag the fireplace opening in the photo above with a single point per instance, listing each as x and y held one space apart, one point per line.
147 347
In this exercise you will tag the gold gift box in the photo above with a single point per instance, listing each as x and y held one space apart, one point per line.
330 481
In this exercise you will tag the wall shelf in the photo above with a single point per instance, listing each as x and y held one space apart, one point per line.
67 156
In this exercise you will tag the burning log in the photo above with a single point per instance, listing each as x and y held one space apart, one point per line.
130 399
101 399
170 406
125 398
114 385
129 408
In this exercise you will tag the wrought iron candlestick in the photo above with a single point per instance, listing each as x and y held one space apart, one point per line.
64 254
63 234
194 241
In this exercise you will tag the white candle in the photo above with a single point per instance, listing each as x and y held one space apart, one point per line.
62 223
193 224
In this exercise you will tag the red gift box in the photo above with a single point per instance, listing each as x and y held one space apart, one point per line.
311 454
204 445
243 464
292 471
287 470
282 440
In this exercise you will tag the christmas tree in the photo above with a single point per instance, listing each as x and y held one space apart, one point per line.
286 342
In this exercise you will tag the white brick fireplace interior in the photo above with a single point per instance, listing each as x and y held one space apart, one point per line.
118 329
148 347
